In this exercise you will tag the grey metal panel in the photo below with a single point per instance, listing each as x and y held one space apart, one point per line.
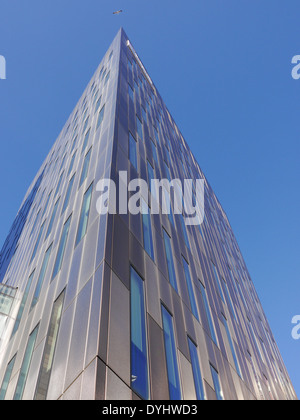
119 330
158 368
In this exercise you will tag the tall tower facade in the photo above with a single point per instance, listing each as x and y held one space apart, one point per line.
120 305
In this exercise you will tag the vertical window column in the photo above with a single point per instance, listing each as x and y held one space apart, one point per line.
139 354
196 370
25 365
171 355
49 351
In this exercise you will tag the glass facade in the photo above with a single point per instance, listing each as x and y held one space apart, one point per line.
89 318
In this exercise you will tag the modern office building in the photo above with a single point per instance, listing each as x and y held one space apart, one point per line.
127 306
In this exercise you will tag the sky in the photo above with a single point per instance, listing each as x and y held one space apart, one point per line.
223 69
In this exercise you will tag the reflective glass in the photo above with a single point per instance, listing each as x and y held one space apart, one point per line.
139 357
171 356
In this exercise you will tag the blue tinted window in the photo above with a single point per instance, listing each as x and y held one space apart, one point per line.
38 241
72 163
131 93
107 78
150 171
41 277
47 203
232 348
84 215
59 184
144 115
154 152
132 151
168 172
147 230
190 289
85 167
209 315
98 103
196 370
68 194
170 262
85 124
139 126
6 378
22 305
218 281
228 298
171 356
52 218
61 248
49 349
139 357
86 139
217 384
184 231
25 365
100 117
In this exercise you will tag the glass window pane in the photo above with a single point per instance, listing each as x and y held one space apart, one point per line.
38 241
52 219
86 139
85 167
229 300
139 126
218 281
72 163
84 216
100 117
132 151
196 370
209 315
232 347
22 304
6 378
190 289
41 277
171 355
139 357
147 230
170 262
154 152
184 230
217 384
59 184
25 365
68 194
61 248
131 93
49 351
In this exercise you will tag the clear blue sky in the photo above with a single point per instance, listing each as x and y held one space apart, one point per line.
224 70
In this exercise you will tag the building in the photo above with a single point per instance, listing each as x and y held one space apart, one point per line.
124 306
